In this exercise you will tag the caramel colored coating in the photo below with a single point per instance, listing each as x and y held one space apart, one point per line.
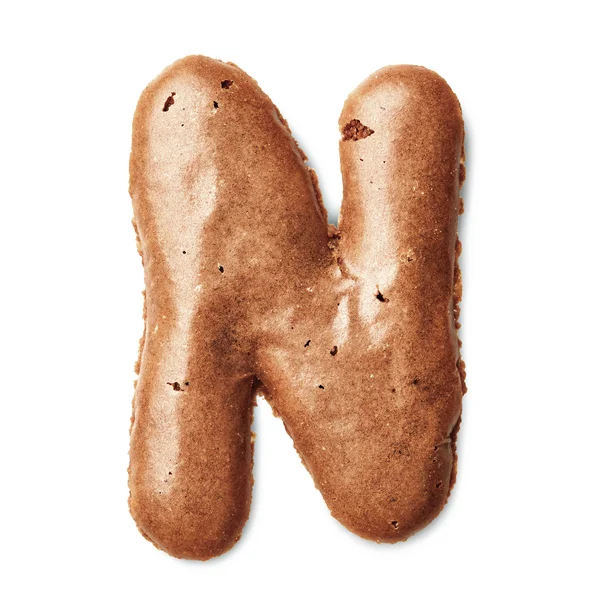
350 334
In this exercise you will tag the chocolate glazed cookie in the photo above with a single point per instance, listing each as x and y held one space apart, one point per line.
350 333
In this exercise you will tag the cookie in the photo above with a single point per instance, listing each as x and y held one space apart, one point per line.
350 333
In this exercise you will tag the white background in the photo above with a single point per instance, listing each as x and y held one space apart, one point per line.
522 521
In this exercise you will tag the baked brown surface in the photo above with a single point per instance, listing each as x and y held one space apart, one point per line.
349 333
